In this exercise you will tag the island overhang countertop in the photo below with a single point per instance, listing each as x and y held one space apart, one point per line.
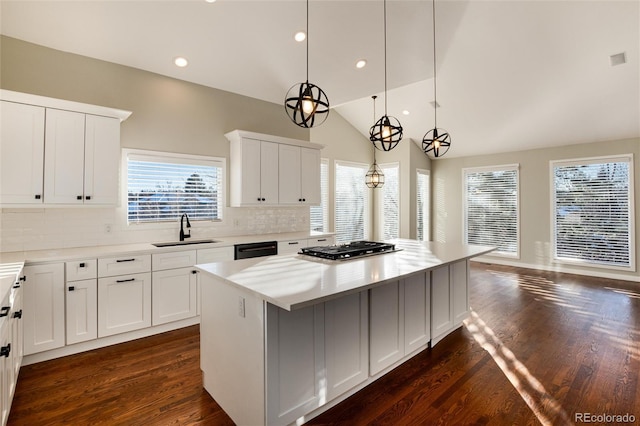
295 281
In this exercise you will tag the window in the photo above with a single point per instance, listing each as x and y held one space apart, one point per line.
320 214
423 190
351 203
162 186
491 215
390 202
592 211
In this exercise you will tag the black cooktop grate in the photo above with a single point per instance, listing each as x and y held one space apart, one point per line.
348 251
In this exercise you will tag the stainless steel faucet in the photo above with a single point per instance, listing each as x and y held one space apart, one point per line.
182 234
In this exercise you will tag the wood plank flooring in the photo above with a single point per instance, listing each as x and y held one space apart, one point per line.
539 348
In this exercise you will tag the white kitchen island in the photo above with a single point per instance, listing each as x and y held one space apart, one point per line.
284 338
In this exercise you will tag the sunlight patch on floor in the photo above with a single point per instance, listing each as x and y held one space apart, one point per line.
544 406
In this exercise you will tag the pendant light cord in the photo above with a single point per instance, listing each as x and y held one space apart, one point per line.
385 57
307 40
435 95
374 120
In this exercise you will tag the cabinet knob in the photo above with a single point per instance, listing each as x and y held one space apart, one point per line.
194 272
263 199
304 199
38 196
5 350
82 265
18 314
71 288
79 197
87 197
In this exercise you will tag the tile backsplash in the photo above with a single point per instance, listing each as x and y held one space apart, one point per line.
42 229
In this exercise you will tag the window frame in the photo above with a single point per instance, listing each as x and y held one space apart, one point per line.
367 200
494 168
164 155
552 209
324 197
381 200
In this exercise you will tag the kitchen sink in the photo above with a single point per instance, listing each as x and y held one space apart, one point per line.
184 243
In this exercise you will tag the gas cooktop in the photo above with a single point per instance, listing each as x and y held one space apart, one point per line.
348 251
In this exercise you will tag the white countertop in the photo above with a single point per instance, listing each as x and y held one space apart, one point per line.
78 253
296 281
8 276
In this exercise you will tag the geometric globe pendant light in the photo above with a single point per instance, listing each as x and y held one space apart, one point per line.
436 142
306 104
386 132
374 177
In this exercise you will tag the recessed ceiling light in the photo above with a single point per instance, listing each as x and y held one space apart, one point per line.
210 1
406 112
618 59
181 62
300 36
361 63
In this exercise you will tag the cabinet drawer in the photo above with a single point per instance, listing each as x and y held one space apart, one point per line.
85 269
320 241
290 247
216 254
178 259
122 265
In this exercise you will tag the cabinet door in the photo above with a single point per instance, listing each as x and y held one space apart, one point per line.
101 160
346 331
245 172
124 303
21 153
295 363
386 339
459 290
43 308
417 312
441 315
269 172
173 295
289 175
82 311
64 157
310 175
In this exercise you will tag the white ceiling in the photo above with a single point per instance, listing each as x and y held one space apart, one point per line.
511 75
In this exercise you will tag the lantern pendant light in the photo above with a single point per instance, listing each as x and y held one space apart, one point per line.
386 132
374 177
436 142
306 104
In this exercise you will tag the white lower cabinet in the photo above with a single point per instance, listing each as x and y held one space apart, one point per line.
124 303
173 295
291 247
44 310
295 362
82 311
449 292
399 320
346 331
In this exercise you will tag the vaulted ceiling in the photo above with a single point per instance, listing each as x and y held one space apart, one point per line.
511 75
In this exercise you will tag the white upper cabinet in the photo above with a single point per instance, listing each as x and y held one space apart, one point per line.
271 170
58 152
299 175
21 153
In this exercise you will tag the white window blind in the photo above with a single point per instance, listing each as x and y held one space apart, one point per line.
491 208
351 202
320 214
423 190
161 187
592 211
390 214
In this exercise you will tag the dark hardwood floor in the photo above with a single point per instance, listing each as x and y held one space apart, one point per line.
539 348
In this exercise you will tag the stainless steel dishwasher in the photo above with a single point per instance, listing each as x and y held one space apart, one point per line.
246 251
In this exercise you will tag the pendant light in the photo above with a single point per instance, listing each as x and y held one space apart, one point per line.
374 177
387 131
306 104
436 142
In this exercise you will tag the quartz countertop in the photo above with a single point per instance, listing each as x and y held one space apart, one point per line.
8 276
78 253
295 281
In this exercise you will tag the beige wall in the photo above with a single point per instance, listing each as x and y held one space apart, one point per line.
535 198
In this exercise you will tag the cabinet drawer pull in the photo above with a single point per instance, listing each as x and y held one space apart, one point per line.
38 196
124 260
4 311
71 288
126 281
82 265
87 197
18 314
293 243
23 278
79 197
5 350
194 272
321 240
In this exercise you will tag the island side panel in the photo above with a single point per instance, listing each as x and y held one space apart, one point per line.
232 350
